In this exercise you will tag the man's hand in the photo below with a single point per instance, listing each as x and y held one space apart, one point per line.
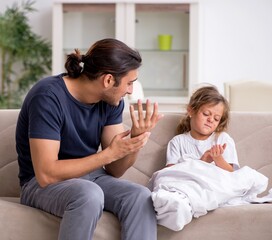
122 146
122 152
145 122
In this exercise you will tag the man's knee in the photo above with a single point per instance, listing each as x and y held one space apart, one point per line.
140 194
86 193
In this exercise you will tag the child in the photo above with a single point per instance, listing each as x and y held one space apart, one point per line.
201 132
193 187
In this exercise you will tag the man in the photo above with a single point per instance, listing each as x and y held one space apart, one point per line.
63 122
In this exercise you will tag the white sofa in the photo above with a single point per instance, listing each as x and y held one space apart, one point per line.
252 133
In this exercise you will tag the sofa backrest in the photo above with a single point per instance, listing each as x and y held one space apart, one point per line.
9 182
252 133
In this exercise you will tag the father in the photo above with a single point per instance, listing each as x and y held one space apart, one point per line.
64 121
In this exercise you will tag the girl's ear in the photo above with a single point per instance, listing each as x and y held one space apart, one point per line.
108 80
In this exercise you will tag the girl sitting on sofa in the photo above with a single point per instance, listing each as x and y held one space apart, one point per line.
201 133
200 161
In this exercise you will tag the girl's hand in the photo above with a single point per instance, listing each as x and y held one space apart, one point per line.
216 151
207 157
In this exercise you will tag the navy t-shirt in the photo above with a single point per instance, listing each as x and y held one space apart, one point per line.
51 112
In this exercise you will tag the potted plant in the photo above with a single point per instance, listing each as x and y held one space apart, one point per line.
25 56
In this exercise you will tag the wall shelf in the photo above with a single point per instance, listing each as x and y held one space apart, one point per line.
138 24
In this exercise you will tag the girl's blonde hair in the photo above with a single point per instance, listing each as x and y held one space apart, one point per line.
205 95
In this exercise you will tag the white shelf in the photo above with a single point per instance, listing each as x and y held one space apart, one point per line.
131 22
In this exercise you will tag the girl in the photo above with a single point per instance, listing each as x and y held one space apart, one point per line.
201 133
193 187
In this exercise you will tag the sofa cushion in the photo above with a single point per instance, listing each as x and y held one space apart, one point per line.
252 133
16 218
247 222
33 223
8 163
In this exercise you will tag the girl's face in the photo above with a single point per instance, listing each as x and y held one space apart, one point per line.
205 121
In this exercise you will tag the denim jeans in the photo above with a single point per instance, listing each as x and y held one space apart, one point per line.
80 203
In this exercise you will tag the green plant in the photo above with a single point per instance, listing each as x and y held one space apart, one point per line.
25 56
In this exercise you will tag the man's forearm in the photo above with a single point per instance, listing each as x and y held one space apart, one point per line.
119 167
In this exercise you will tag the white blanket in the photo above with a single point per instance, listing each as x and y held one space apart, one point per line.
193 187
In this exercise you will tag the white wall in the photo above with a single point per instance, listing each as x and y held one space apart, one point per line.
235 40
235 37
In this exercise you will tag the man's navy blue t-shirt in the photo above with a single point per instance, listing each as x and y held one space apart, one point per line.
51 112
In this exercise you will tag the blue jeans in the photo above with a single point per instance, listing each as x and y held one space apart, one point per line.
81 201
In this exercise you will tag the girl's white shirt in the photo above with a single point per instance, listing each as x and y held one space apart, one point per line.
184 145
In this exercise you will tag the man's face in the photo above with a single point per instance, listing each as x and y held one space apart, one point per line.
114 95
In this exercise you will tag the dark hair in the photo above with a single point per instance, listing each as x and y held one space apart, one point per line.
106 56
202 96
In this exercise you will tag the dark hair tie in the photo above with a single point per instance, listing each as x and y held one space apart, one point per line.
82 58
